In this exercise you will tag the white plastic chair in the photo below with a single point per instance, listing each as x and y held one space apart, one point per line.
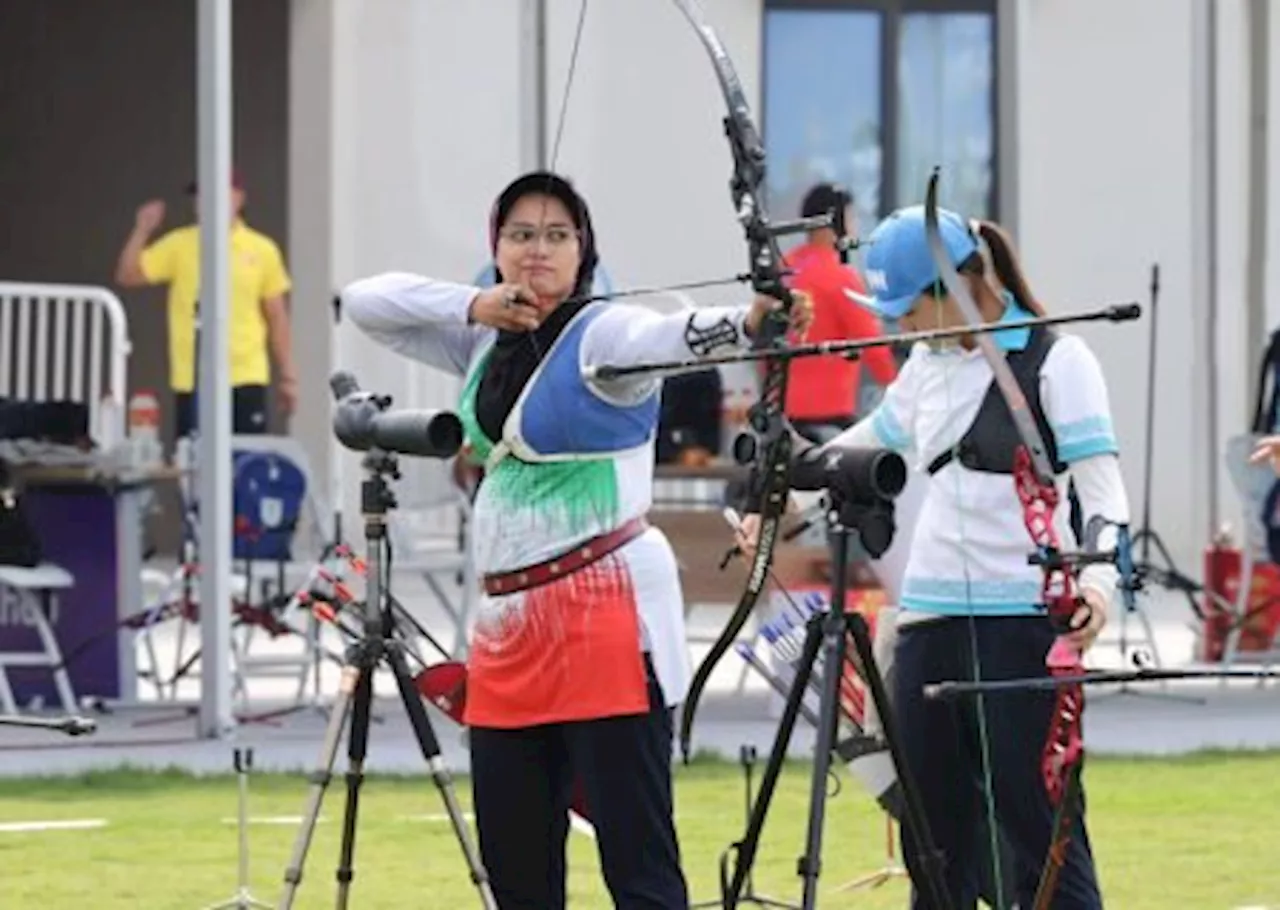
36 588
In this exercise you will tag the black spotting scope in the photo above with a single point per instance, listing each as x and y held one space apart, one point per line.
862 484
858 474
361 422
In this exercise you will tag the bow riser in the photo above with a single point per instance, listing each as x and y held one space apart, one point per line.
767 275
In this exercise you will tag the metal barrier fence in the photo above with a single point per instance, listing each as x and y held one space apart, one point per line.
66 342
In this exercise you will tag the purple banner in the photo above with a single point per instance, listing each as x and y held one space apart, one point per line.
76 526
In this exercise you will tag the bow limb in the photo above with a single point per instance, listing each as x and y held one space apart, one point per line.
1037 491
1004 378
772 453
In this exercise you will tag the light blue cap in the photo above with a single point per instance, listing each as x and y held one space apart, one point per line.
899 267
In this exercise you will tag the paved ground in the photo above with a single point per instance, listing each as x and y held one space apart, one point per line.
740 709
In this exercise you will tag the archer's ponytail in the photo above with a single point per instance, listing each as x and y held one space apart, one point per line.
1008 269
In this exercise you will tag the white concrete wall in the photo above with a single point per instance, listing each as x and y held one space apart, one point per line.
1106 188
424 129
419 138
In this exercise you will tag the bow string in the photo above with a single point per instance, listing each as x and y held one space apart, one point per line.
771 441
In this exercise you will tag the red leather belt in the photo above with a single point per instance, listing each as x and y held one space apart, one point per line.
579 557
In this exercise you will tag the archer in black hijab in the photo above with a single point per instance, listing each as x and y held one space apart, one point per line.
516 355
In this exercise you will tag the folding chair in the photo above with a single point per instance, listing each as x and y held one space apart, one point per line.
259 604
36 591
278 597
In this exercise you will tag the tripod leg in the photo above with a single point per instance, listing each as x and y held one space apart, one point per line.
243 759
746 848
834 645
430 747
915 820
357 749
319 781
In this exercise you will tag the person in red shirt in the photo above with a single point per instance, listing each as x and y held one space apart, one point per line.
822 392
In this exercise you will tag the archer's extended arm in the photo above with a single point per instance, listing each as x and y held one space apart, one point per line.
422 318
626 335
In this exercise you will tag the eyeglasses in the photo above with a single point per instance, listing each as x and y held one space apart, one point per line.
522 235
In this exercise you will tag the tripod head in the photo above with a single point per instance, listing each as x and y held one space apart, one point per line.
363 422
376 495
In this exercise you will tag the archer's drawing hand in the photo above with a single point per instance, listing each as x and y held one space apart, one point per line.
801 316
1267 449
1088 620
506 306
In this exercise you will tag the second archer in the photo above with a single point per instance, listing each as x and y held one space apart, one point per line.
971 605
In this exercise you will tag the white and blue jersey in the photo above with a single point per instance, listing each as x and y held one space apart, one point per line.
970 545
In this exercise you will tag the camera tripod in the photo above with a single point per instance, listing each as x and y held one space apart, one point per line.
830 633
1170 579
376 646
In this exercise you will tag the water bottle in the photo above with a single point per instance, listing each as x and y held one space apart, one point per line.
107 431
145 446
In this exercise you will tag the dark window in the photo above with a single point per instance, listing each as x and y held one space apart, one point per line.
873 94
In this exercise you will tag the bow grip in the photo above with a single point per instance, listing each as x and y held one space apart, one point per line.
773 327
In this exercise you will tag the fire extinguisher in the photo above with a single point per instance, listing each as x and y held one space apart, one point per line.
1223 563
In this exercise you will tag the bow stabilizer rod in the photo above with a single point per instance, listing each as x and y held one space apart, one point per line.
71 725
946 691
1119 312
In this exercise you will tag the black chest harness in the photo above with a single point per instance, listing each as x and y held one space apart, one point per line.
989 443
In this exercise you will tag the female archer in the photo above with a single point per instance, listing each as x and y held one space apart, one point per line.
971 605
578 651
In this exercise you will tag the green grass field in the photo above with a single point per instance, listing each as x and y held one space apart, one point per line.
1198 833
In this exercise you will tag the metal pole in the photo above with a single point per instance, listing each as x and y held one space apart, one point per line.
1204 252
1009 26
213 81
1211 216
533 84
1259 28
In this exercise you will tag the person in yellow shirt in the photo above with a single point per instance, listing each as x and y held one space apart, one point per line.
259 318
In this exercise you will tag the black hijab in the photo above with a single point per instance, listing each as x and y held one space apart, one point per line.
516 355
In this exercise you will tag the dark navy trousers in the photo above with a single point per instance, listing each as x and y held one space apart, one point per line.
522 784
943 746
